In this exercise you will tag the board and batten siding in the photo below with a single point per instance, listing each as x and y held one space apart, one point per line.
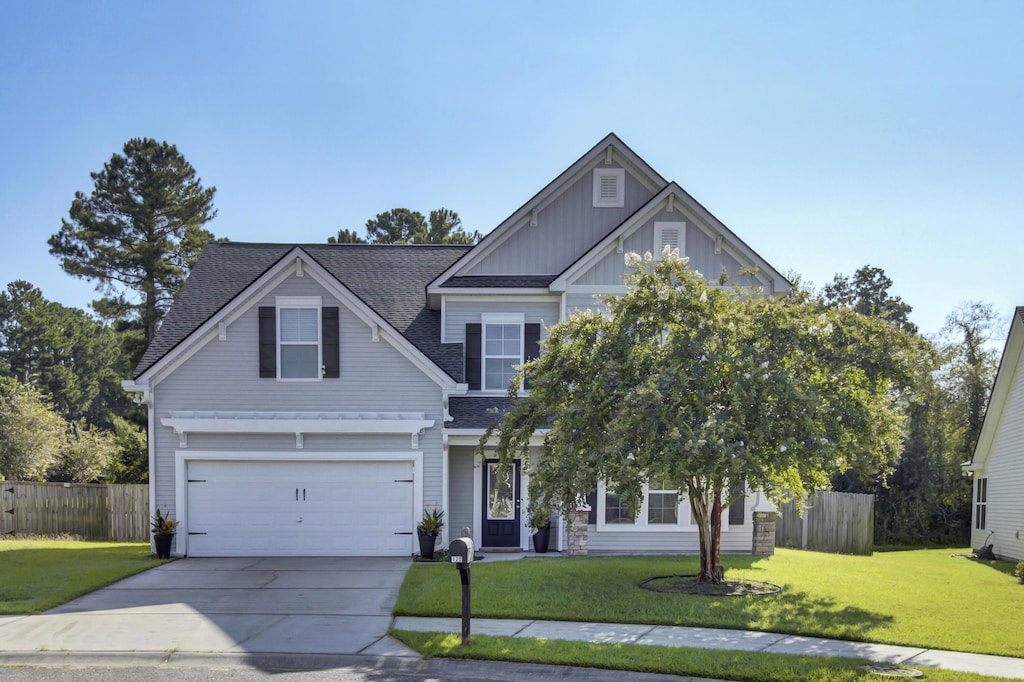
699 248
224 375
1004 469
459 313
566 228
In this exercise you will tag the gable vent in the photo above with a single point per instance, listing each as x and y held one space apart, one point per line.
609 187
672 235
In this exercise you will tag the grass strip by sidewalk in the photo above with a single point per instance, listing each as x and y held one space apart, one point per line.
926 598
740 666
39 574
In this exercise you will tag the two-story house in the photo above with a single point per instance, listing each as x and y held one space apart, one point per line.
314 399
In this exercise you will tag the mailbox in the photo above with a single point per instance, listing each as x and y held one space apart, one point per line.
460 552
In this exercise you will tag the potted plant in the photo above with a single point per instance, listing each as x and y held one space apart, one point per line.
163 534
428 529
540 522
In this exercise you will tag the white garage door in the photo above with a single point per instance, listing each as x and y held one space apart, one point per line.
276 508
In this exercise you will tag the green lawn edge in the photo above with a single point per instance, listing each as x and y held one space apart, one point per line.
39 575
739 666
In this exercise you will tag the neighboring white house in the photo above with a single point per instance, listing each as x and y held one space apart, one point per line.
314 399
998 463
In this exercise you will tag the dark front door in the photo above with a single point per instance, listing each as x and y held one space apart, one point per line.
501 506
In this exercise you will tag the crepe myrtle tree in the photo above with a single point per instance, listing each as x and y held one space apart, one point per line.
705 386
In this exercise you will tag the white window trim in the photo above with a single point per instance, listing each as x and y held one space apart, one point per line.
620 187
981 505
300 302
499 318
659 228
684 522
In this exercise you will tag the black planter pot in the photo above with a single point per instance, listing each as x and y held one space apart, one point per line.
427 543
163 546
541 539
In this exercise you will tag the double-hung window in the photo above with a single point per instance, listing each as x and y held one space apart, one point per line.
502 350
980 503
298 347
661 509
662 504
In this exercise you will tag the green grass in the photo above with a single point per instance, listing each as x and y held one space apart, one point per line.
39 574
729 665
923 598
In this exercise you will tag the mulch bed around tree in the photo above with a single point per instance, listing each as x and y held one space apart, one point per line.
688 584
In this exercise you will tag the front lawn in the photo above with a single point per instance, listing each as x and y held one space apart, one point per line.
37 575
923 598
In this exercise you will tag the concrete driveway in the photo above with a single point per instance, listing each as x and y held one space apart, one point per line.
314 605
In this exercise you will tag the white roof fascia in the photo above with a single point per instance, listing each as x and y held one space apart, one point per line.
266 283
451 293
703 220
473 436
1009 365
651 178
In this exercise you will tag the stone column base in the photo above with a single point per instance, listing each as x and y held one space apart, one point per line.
578 533
764 533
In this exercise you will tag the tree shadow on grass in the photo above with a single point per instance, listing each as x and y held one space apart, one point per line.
797 612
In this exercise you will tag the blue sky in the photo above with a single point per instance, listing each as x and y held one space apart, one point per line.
828 136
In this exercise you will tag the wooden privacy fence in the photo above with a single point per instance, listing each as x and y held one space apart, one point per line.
92 511
832 522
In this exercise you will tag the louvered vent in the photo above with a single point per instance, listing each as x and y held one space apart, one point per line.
609 187
672 235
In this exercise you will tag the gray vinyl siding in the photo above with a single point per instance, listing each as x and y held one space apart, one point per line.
737 540
1004 469
574 302
224 375
460 489
699 248
460 313
566 228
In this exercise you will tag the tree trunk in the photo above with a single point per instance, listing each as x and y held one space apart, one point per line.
706 508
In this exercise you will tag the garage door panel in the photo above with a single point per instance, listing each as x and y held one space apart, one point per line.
276 508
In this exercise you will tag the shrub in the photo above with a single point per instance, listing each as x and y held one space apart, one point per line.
1019 571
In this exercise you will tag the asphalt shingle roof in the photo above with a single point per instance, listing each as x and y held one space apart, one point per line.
476 412
390 279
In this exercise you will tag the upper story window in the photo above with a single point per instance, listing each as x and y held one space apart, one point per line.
609 187
502 350
299 340
495 346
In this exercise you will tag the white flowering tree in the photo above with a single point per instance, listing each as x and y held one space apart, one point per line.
707 387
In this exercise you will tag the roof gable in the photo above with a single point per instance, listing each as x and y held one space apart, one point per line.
1009 366
386 281
610 151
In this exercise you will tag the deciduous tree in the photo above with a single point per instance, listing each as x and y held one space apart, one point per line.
32 435
704 386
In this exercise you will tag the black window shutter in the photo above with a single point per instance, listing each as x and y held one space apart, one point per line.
531 337
268 342
737 510
332 342
592 502
473 353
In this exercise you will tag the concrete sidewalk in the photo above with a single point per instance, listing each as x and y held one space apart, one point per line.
738 640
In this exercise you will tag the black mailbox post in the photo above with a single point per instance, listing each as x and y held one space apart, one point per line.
460 553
